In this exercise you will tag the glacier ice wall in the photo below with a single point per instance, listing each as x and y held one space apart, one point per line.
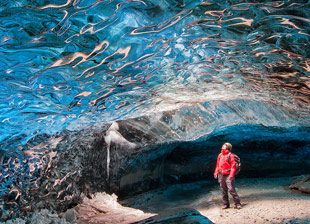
174 77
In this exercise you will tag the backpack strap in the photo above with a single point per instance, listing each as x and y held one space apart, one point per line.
229 158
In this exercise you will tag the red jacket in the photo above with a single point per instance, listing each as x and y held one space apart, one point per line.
223 166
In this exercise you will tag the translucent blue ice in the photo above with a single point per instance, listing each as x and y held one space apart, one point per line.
72 64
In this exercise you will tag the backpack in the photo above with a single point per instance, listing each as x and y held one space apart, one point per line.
238 162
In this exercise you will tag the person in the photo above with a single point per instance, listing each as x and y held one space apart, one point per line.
225 172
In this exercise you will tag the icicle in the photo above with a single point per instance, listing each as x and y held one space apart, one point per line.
107 139
112 135
108 161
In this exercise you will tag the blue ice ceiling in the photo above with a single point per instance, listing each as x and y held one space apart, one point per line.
69 65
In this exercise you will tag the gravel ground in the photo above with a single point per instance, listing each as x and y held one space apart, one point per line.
264 200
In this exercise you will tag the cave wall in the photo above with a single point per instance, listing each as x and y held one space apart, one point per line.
132 156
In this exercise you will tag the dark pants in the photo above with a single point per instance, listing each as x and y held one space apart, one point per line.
228 185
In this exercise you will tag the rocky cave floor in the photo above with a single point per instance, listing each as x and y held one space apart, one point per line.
264 200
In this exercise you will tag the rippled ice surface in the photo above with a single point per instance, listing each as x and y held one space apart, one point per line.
68 65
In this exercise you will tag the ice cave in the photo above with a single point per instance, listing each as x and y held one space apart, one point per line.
114 111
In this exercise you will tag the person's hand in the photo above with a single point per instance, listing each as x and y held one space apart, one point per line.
215 176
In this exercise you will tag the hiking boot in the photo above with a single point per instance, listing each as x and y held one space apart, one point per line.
238 206
225 207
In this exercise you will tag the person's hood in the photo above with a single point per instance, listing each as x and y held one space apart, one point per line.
225 152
